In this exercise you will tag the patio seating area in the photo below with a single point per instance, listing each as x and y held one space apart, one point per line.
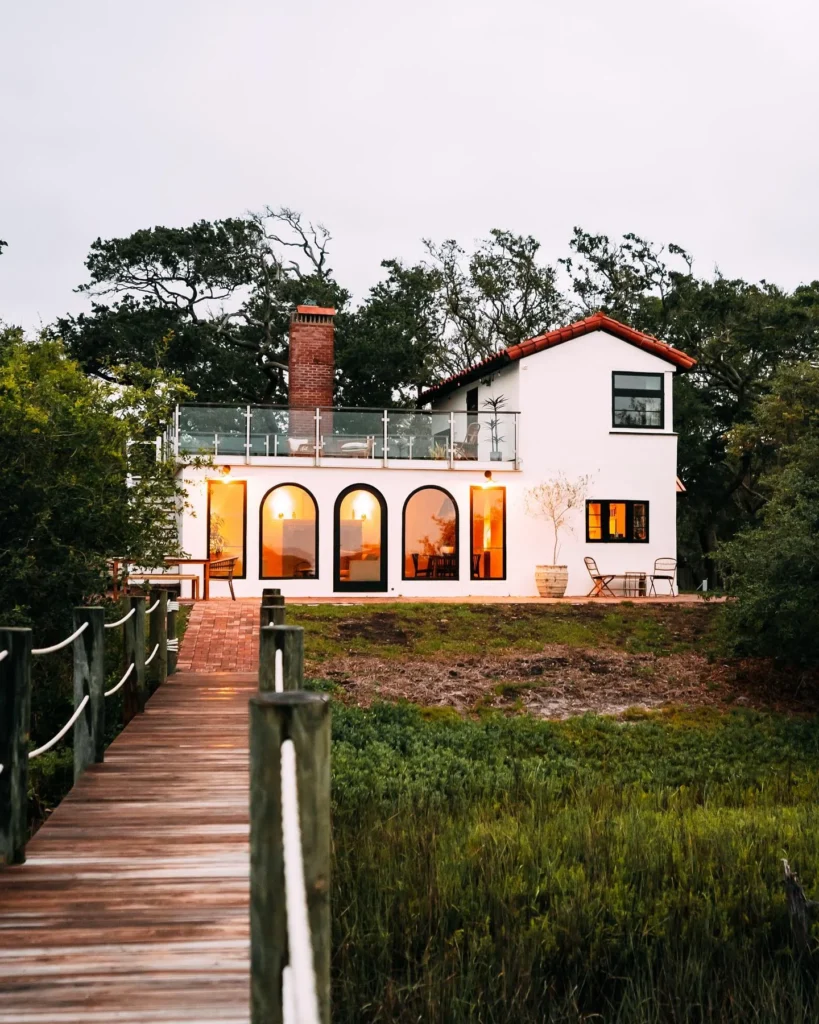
636 583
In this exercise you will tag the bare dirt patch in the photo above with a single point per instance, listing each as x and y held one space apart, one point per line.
557 682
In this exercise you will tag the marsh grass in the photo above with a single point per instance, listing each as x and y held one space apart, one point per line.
516 870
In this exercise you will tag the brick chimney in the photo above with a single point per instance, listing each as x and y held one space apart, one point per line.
312 357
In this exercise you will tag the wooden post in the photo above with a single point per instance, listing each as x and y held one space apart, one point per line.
15 722
272 615
173 650
303 718
158 634
135 689
290 641
270 592
89 678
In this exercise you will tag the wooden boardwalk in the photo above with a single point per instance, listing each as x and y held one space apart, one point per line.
133 903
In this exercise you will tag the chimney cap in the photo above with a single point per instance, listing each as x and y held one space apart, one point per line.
316 310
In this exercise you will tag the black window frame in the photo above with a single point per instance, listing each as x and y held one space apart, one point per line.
275 487
636 393
439 579
478 487
360 586
223 483
604 504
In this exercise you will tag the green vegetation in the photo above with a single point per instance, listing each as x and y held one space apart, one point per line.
419 630
626 872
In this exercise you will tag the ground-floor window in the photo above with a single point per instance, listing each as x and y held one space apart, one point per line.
488 533
617 521
360 539
430 535
227 504
289 534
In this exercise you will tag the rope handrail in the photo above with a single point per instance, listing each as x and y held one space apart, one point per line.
152 655
114 689
62 732
300 1002
152 608
63 643
119 622
3 655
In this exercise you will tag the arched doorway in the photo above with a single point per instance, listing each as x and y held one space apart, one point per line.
360 540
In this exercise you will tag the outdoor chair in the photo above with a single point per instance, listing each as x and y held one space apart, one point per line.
420 574
476 565
601 580
223 569
468 448
664 569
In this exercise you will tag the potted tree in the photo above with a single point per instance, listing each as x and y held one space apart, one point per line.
496 404
553 501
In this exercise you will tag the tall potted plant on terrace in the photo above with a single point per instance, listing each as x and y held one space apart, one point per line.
496 404
555 500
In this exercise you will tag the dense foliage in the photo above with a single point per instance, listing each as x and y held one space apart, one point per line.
586 870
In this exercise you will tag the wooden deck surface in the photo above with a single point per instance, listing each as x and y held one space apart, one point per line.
133 903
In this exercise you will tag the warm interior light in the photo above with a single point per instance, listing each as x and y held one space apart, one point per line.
487 480
282 506
224 470
362 505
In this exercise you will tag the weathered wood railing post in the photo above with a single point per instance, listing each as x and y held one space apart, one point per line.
89 678
272 610
135 689
173 645
303 718
158 634
270 592
15 721
290 641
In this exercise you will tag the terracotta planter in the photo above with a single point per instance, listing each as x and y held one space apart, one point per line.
551 580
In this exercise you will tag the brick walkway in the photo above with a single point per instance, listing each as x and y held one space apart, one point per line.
222 636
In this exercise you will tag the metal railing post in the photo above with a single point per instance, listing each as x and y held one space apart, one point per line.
317 451
303 718
176 431
452 440
89 679
15 723
247 437
386 438
517 444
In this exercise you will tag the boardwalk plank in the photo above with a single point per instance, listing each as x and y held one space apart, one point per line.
133 904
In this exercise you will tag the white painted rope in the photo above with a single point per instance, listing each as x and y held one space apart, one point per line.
152 608
149 659
119 622
3 655
64 643
278 672
173 645
300 990
121 682
62 732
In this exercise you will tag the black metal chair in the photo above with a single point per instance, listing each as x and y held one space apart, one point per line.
420 574
664 569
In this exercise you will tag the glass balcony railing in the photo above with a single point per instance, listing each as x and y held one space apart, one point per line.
384 434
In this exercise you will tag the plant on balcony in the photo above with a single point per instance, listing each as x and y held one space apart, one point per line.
438 451
496 404
554 500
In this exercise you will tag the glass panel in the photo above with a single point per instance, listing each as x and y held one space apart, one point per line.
485 436
595 524
632 411
352 433
640 521
289 534
270 430
226 524
359 554
418 435
617 520
212 429
430 536
488 533
639 382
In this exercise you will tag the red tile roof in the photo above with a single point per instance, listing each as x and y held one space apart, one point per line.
597 322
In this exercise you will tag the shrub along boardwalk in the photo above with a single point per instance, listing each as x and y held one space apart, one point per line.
132 905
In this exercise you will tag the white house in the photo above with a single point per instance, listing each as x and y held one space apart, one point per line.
322 501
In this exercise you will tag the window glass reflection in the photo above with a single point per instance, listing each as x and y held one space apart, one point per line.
289 534
226 521
430 536
359 534
488 533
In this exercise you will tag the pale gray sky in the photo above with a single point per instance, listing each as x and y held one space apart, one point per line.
691 121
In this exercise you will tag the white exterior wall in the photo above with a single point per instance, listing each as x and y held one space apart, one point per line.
565 398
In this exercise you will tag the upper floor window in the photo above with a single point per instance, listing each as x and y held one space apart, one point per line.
637 400
613 521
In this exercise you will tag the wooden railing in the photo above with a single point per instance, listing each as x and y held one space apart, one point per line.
87 642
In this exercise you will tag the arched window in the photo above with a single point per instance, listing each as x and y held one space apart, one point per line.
289 534
430 535
360 539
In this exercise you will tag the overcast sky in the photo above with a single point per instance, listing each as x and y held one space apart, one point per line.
692 121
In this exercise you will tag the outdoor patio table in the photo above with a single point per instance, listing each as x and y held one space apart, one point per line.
204 562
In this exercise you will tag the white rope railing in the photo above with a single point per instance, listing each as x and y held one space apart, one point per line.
62 732
300 1001
119 622
63 643
152 655
3 655
114 689
173 645
152 608
278 671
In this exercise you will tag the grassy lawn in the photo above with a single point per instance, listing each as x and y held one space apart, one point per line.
588 870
